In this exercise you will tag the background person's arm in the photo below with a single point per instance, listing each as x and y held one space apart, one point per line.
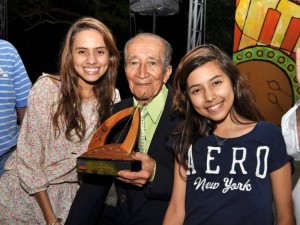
298 80
290 122
21 113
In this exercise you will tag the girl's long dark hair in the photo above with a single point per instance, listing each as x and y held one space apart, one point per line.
193 125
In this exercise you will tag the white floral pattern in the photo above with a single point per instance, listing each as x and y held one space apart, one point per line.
42 160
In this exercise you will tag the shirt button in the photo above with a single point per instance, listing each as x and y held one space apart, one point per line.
123 198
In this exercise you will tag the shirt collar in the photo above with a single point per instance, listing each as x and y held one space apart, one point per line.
156 106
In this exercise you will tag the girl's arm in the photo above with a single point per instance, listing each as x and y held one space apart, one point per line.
45 205
282 192
176 209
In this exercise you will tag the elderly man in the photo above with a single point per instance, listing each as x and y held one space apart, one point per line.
143 196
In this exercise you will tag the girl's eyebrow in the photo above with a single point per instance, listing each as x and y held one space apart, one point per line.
214 77
211 79
194 85
100 47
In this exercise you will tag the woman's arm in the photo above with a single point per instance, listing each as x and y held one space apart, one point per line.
45 205
31 145
176 210
282 192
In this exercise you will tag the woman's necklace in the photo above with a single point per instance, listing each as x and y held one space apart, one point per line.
220 142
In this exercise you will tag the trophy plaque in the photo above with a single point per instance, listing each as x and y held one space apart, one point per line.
108 159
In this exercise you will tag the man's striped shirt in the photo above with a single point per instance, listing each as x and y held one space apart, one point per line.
14 89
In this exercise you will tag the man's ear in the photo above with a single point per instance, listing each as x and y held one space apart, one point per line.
167 74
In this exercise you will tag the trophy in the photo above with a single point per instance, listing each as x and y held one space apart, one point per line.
108 159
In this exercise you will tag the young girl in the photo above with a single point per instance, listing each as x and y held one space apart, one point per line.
230 166
63 112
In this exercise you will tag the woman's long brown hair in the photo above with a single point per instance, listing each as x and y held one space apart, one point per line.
193 125
70 105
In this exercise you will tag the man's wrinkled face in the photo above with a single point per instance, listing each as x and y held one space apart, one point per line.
144 67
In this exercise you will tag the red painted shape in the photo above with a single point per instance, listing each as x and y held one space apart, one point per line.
292 35
269 26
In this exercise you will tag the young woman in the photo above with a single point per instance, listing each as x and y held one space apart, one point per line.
62 114
230 165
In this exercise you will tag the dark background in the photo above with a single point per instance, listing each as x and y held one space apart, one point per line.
37 28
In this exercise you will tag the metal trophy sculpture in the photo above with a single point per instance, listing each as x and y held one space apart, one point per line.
108 159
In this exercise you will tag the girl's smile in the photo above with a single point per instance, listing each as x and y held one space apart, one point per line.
210 91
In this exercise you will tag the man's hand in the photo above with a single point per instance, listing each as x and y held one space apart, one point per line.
141 177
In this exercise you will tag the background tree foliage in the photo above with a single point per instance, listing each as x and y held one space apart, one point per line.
32 14
37 27
220 17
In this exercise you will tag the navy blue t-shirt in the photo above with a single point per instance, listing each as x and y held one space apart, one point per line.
231 184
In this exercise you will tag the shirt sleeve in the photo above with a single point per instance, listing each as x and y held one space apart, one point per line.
289 132
33 135
117 96
21 80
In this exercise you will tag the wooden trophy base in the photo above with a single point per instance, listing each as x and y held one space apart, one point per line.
108 159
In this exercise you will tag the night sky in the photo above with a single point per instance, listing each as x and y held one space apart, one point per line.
40 47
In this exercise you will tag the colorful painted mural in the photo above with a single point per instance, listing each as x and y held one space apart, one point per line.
266 36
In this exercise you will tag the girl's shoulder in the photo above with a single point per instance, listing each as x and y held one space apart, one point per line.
45 86
268 125
265 128
258 129
54 79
